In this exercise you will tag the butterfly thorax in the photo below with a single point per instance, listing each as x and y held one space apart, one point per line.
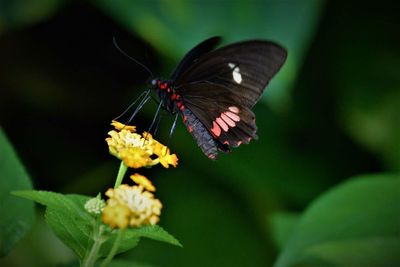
170 100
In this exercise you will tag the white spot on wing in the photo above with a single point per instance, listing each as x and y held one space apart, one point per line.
237 77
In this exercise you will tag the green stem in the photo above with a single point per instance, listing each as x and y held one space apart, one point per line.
114 249
121 174
90 259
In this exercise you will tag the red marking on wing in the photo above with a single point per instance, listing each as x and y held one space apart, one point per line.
215 129
190 128
239 143
232 115
234 109
212 156
163 85
223 125
226 119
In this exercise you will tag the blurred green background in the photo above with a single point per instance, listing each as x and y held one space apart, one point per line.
331 113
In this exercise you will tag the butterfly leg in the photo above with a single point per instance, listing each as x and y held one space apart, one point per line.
155 116
171 132
139 107
141 96
157 124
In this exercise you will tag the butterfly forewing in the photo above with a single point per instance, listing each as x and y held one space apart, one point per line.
243 69
196 52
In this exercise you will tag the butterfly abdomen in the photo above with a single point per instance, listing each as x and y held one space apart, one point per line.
206 142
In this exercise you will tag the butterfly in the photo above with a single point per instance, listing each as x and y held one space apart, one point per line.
214 90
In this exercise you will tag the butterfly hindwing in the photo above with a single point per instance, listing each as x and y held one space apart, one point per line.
227 121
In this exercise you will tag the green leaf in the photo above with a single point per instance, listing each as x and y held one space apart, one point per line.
156 232
355 224
17 214
281 227
66 216
132 236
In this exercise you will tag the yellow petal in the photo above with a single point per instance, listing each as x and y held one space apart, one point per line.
143 181
135 157
116 216
168 159
120 126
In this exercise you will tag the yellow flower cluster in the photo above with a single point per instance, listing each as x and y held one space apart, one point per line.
137 150
132 205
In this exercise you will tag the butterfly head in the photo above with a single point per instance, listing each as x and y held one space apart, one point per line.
160 85
153 83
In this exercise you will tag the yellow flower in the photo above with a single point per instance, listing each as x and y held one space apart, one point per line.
119 126
136 157
143 181
137 150
131 206
116 216
163 153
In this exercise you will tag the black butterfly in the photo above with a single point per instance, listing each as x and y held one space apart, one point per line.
214 90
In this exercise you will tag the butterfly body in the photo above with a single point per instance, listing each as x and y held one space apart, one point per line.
166 93
214 91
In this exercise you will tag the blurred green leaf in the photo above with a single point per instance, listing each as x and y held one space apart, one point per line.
67 217
355 224
376 125
173 27
18 13
17 214
128 263
281 227
155 232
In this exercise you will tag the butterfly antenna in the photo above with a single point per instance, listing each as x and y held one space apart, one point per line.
131 58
